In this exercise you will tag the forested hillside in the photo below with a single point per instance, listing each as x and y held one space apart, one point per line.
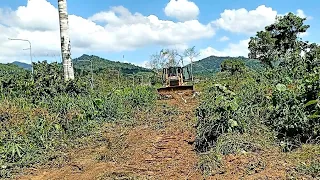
9 68
15 65
83 63
204 66
212 64
99 64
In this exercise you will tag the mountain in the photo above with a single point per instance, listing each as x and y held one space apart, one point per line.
212 64
99 64
83 63
22 65
207 65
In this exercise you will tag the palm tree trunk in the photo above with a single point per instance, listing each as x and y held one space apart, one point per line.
65 40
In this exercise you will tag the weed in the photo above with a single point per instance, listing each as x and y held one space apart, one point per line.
210 163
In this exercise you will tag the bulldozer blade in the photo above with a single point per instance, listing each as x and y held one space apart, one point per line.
175 88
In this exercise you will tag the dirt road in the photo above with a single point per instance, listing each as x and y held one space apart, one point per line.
159 147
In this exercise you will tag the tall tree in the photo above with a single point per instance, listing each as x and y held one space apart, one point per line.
191 53
165 58
279 40
65 40
173 58
156 62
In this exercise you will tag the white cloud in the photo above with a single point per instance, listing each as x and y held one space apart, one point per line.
302 35
114 30
244 21
38 15
232 50
239 21
178 47
183 10
301 14
142 64
249 21
224 38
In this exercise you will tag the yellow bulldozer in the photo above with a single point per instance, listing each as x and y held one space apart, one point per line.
175 79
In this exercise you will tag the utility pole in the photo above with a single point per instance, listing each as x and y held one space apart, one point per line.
30 48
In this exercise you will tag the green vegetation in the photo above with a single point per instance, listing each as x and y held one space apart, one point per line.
100 64
277 106
212 64
43 115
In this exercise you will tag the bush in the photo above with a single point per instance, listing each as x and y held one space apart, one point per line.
289 110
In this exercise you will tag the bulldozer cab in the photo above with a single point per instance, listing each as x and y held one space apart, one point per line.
175 76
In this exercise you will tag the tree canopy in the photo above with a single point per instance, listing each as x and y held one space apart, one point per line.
279 40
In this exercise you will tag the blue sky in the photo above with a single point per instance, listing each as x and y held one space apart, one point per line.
200 23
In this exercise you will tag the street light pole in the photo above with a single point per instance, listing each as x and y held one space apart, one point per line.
30 48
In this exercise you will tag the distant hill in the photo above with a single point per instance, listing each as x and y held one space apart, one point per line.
22 65
212 64
10 68
15 72
100 64
207 65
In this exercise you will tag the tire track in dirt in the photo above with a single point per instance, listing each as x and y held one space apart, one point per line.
165 156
